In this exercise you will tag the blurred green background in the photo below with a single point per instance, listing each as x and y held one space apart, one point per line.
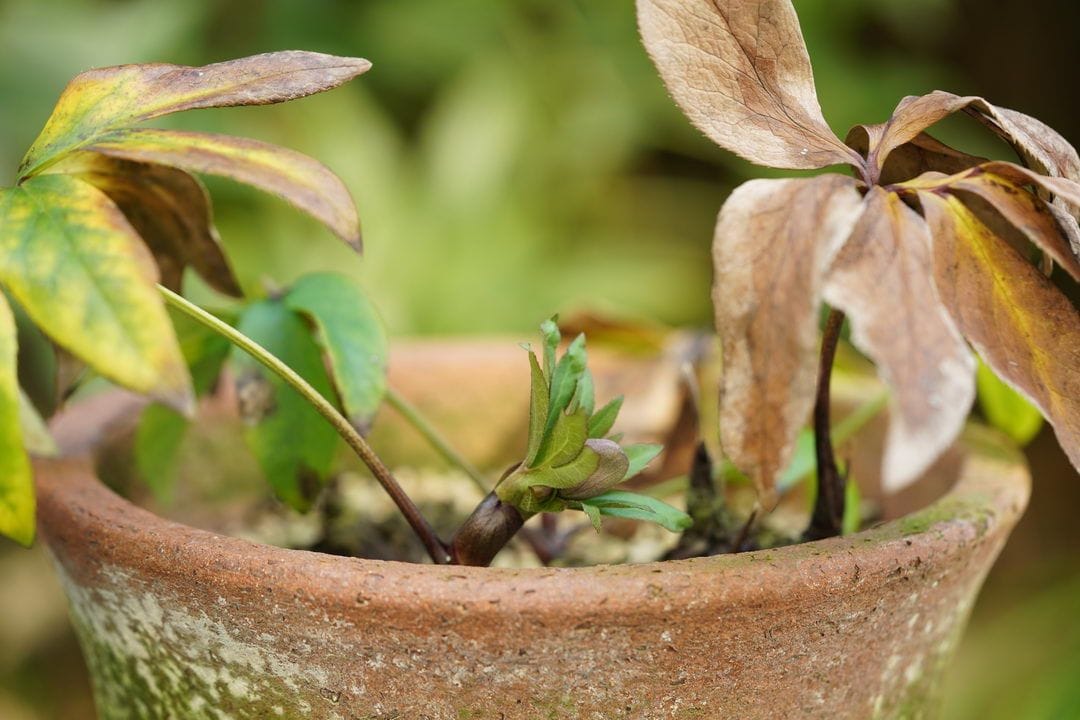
518 157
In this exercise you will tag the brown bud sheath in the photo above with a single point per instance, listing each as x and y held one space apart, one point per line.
485 532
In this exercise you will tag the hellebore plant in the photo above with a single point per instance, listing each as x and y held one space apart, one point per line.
95 238
924 248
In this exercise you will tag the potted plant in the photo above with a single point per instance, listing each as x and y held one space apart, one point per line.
177 622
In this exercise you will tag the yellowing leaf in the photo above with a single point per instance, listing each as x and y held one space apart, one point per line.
105 99
296 178
741 73
72 261
168 208
16 481
1021 325
774 239
881 279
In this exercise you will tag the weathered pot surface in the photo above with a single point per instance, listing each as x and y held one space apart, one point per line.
177 622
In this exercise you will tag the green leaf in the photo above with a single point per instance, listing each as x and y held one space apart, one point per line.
74 264
564 380
601 423
303 182
105 99
640 455
292 442
538 410
564 442
619 503
585 397
157 443
609 472
161 431
549 330
169 209
565 476
852 519
1006 409
594 515
803 462
350 330
16 482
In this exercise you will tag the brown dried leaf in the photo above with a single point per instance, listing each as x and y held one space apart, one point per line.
168 208
741 73
1047 226
923 153
881 279
774 240
303 182
1042 148
1021 325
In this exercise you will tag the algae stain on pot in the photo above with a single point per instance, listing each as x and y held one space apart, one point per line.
150 659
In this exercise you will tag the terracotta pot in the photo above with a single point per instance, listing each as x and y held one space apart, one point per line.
177 622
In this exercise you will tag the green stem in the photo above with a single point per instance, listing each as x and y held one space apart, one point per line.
412 416
435 547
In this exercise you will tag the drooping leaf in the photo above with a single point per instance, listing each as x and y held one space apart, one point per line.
352 333
105 99
741 73
73 262
303 182
293 444
640 455
622 504
1021 325
609 472
1040 146
774 240
16 483
538 410
169 209
1006 409
923 153
881 279
601 422
564 380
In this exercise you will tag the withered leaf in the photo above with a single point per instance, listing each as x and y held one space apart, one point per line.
1020 324
774 239
923 153
881 279
169 209
296 178
1042 148
104 99
741 73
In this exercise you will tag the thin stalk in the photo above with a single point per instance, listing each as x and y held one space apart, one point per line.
413 416
435 547
828 517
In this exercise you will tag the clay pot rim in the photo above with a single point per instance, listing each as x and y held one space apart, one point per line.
79 514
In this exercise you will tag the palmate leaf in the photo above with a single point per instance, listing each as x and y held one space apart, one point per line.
169 209
351 332
293 444
76 266
16 483
105 99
